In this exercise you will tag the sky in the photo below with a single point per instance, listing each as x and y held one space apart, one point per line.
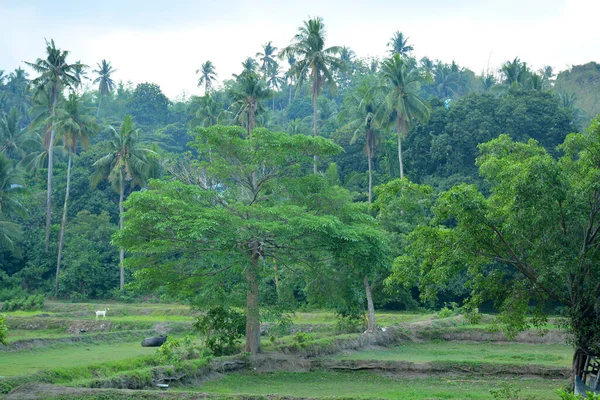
165 42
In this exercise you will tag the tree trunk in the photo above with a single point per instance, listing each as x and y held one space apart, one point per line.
273 101
315 132
370 307
50 167
99 103
63 223
290 96
252 310
399 128
276 269
370 163
579 360
122 250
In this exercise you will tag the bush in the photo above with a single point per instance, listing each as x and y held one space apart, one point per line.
222 329
449 310
174 351
3 329
26 303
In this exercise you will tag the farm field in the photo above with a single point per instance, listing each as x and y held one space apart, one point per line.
65 345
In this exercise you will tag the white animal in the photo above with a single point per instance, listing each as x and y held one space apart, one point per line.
102 313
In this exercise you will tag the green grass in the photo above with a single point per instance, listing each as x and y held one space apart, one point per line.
23 334
512 353
31 361
382 317
367 385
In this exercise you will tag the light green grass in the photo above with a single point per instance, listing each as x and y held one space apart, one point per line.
23 334
382 317
512 353
367 385
31 361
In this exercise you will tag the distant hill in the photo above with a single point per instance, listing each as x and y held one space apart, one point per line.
584 82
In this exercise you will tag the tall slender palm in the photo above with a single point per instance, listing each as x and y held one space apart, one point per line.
247 94
56 74
76 127
105 83
126 162
398 44
308 45
266 57
403 104
208 112
80 73
360 107
514 72
274 80
208 75
12 137
290 74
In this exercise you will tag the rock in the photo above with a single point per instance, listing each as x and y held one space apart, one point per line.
155 341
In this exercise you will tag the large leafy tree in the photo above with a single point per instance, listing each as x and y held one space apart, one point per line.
314 60
104 80
208 75
76 127
127 163
56 74
403 104
149 105
533 238
188 236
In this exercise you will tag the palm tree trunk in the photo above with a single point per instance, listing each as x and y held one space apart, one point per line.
370 163
122 250
63 223
252 310
50 167
315 132
400 131
273 101
370 307
99 103
290 96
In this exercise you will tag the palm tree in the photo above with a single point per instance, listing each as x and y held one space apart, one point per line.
55 75
208 112
80 73
398 44
76 127
12 137
403 104
125 162
267 58
247 94
9 184
290 74
514 72
360 106
315 59
208 75
274 80
104 81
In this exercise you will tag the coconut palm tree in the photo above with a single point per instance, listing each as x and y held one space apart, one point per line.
360 107
314 60
247 94
208 112
208 75
514 72
126 162
274 80
398 44
290 74
267 58
403 104
104 81
56 74
75 127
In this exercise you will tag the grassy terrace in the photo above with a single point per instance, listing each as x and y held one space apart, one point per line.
506 353
370 385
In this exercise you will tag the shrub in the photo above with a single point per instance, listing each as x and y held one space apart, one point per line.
25 303
174 351
222 330
3 329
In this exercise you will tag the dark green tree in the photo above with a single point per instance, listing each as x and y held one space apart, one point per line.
148 105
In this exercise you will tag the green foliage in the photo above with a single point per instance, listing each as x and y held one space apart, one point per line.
175 351
449 310
303 339
568 395
148 105
222 330
25 303
3 329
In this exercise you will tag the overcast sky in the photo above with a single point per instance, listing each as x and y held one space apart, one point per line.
165 42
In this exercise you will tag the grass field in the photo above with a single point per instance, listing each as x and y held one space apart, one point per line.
506 353
31 361
370 385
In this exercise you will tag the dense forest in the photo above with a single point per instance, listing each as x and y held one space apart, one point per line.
313 178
